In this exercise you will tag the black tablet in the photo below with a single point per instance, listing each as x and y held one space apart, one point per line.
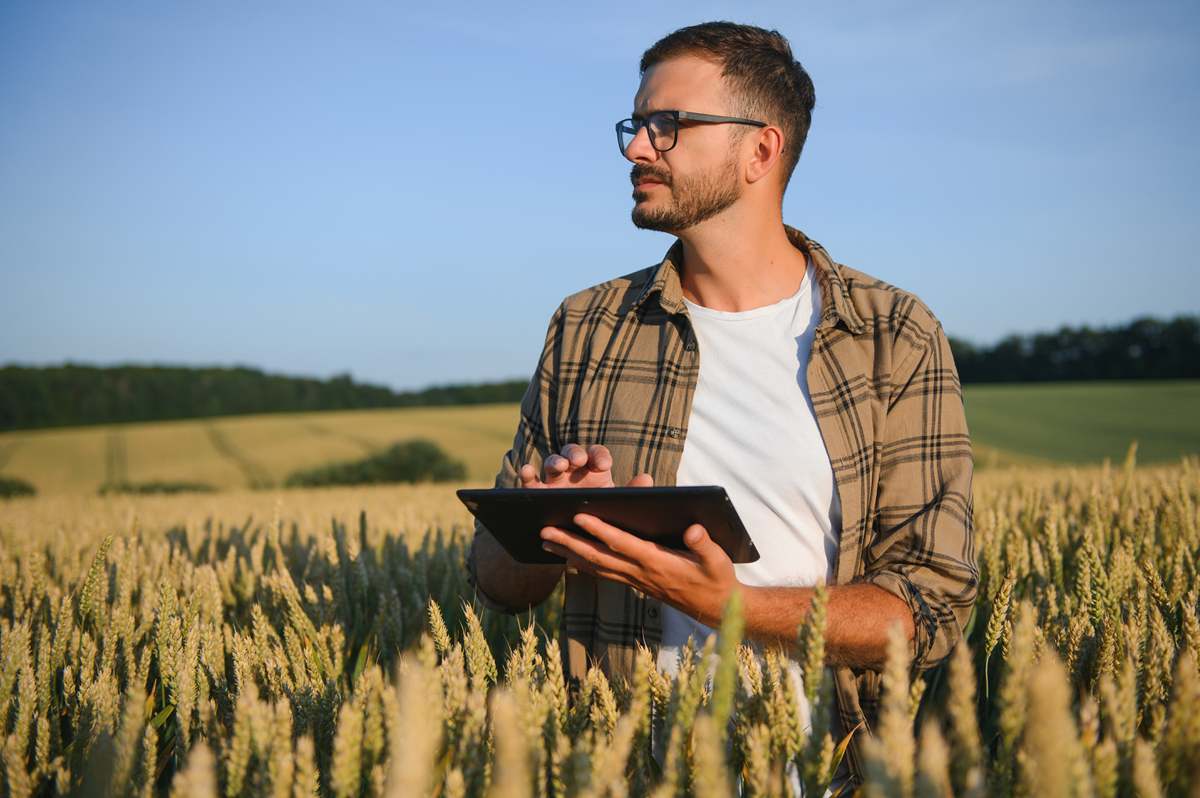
516 517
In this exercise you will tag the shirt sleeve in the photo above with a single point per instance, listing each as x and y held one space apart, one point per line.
922 548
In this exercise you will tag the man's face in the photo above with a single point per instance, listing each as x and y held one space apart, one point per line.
701 176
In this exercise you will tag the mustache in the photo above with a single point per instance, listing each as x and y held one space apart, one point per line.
644 170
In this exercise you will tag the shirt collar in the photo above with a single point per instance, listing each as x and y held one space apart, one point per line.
835 297
665 282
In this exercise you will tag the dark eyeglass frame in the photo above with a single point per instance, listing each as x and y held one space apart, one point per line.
637 124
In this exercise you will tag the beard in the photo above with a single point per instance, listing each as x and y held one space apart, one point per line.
693 199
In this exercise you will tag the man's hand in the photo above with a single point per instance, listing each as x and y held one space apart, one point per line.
696 582
577 468
521 585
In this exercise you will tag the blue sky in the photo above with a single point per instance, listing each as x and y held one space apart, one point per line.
385 188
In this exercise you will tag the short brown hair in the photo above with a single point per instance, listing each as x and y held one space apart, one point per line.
765 81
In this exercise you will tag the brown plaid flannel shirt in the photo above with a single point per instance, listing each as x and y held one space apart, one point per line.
619 368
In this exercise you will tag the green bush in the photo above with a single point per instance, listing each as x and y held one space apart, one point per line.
10 488
410 461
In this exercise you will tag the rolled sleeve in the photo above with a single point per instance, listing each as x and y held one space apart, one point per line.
922 549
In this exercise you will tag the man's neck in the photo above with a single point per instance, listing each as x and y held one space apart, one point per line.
738 263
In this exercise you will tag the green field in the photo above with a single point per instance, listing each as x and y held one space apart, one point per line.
1085 422
1025 425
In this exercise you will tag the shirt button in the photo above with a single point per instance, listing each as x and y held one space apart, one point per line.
691 346
673 432
652 613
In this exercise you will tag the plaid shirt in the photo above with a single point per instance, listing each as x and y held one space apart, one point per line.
619 368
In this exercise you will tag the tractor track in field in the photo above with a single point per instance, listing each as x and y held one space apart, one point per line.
256 476
363 443
116 459
8 450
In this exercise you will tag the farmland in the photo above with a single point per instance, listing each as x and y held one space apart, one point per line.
254 643
1022 425
1086 422
262 641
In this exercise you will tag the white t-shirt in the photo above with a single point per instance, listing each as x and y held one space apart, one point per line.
753 431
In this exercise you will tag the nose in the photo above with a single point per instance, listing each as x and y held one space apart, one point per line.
640 150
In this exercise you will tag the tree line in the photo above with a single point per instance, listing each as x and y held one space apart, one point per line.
1144 349
71 395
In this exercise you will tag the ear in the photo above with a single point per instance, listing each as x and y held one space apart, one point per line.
766 145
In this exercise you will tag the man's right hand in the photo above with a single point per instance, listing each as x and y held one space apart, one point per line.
576 467
520 585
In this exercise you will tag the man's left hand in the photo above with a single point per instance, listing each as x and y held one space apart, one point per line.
696 582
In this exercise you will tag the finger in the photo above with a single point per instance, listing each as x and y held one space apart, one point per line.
575 454
529 477
641 481
700 543
553 534
567 537
557 541
556 464
597 551
592 563
599 458
622 544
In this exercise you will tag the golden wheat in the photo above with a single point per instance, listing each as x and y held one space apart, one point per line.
327 643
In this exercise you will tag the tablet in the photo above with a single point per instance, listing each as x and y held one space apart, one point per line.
515 517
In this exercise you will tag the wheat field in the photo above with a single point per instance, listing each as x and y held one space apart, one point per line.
323 642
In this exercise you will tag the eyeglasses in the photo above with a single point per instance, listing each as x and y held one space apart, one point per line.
663 127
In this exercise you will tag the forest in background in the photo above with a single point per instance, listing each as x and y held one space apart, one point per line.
73 395
1144 349
70 395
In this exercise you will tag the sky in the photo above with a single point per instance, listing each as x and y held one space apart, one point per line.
405 192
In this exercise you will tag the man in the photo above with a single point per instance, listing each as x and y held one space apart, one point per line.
825 401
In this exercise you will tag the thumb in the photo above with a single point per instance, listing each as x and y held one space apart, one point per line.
641 481
697 539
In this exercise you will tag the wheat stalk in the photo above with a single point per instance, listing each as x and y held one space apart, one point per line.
1052 761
